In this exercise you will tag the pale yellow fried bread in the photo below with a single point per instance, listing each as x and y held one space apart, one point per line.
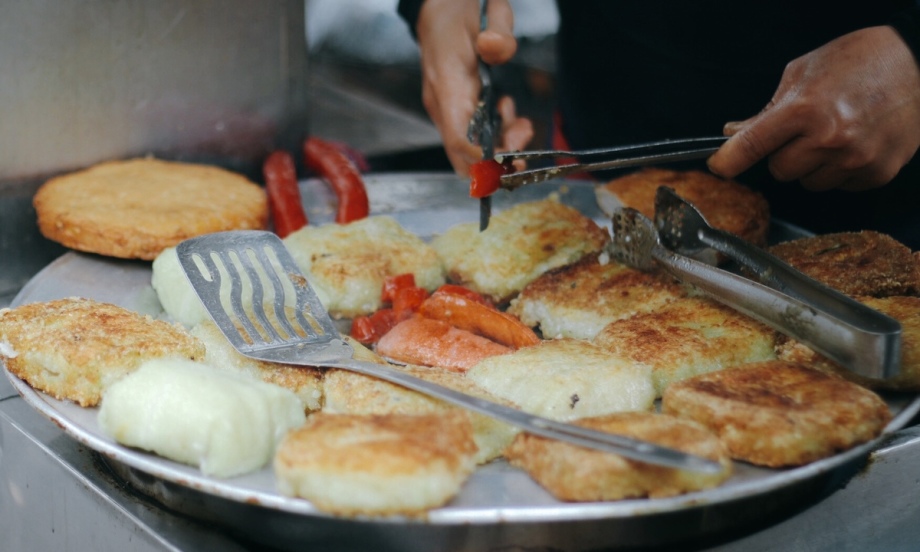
855 263
565 379
347 263
137 208
725 204
351 393
376 465
574 473
76 348
686 337
578 300
306 382
779 414
905 310
520 243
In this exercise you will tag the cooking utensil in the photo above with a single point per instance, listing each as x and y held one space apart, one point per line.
636 242
229 268
634 155
482 127
862 339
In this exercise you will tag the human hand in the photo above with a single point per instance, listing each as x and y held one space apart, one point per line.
846 115
451 44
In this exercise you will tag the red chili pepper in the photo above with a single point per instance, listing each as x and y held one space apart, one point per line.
369 329
392 284
453 289
283 193
336 168
485 177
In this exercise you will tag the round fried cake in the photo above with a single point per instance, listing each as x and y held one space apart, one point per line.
576 473
725 204
136 208
779 414
76 348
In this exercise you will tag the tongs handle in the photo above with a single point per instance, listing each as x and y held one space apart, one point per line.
837 333
633 155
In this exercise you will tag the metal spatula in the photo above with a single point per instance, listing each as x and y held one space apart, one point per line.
636 243
257 296
683 229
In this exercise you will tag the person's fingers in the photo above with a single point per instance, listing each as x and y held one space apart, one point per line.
755 139
516 131
496 45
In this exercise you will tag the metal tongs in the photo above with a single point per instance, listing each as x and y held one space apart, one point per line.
483 125
857 337
634 155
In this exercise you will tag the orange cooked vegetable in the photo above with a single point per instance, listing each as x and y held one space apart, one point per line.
480 319
435 343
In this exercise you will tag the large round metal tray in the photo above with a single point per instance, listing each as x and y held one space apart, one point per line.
500 507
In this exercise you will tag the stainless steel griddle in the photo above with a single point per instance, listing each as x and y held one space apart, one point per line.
500 507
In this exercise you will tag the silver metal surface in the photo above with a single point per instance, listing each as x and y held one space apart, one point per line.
635 242
499 507
86 81
263 280
862 339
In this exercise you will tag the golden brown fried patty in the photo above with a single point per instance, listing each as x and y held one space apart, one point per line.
725 204
779 414
905 310
855 263
520 243
578 300
376 465
137 208
75 348
576 473
686 337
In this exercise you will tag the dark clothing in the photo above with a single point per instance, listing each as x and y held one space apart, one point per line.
639 70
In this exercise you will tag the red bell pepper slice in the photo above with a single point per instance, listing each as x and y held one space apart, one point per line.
283 193
485 178
336 168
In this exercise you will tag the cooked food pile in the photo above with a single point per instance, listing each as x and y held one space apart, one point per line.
531 313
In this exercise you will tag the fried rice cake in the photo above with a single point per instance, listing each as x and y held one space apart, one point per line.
134 209
779 414
306 382
521 243
578 474
726 204
347 263
565 379
74 349
855 263
376 465
578 300
905 310
686 337
347 392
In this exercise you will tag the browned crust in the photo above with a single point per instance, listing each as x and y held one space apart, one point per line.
74 348
779 414
574 473
725 204
137 208
855 263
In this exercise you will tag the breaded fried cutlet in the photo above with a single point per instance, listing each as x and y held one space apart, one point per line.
222 422
75 348
578 300
686 337
136 208
905 310
521 243
855 263
578 474
347 263
779 414
304 381
565 379
726 204
376 465
351 393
